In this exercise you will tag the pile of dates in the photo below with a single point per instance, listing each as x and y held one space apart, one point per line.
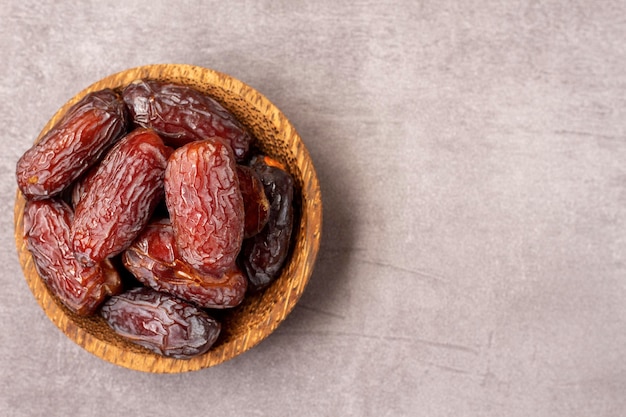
151 206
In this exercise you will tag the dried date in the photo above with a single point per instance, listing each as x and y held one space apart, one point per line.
154 260
47 232
80 185
205 205
161 323
181 114
120 197
255 203
263 255
74 144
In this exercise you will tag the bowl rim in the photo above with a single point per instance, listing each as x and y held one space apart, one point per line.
309 233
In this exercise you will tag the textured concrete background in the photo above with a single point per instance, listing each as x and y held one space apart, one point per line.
472 157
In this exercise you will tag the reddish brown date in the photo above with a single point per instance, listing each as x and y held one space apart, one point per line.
255 203
120 197
181 114
80 185
153 259
263 255
47 233
75 143
205 205
161 323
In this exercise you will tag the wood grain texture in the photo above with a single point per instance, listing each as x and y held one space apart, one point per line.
259 315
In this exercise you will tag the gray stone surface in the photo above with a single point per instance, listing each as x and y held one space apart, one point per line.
472 157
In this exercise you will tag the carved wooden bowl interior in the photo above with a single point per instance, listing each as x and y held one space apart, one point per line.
260 314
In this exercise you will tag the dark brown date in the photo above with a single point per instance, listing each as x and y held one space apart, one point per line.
161 323
75 143
181 114
255 203
47 232
263 255
205 205
120 197
153 259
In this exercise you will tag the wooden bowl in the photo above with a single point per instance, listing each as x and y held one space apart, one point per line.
260 314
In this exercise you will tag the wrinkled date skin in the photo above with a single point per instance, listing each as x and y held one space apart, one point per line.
80 138
161 323
205 205
120 197
263 255
47 233
181 114
255 203
153 259
80 185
